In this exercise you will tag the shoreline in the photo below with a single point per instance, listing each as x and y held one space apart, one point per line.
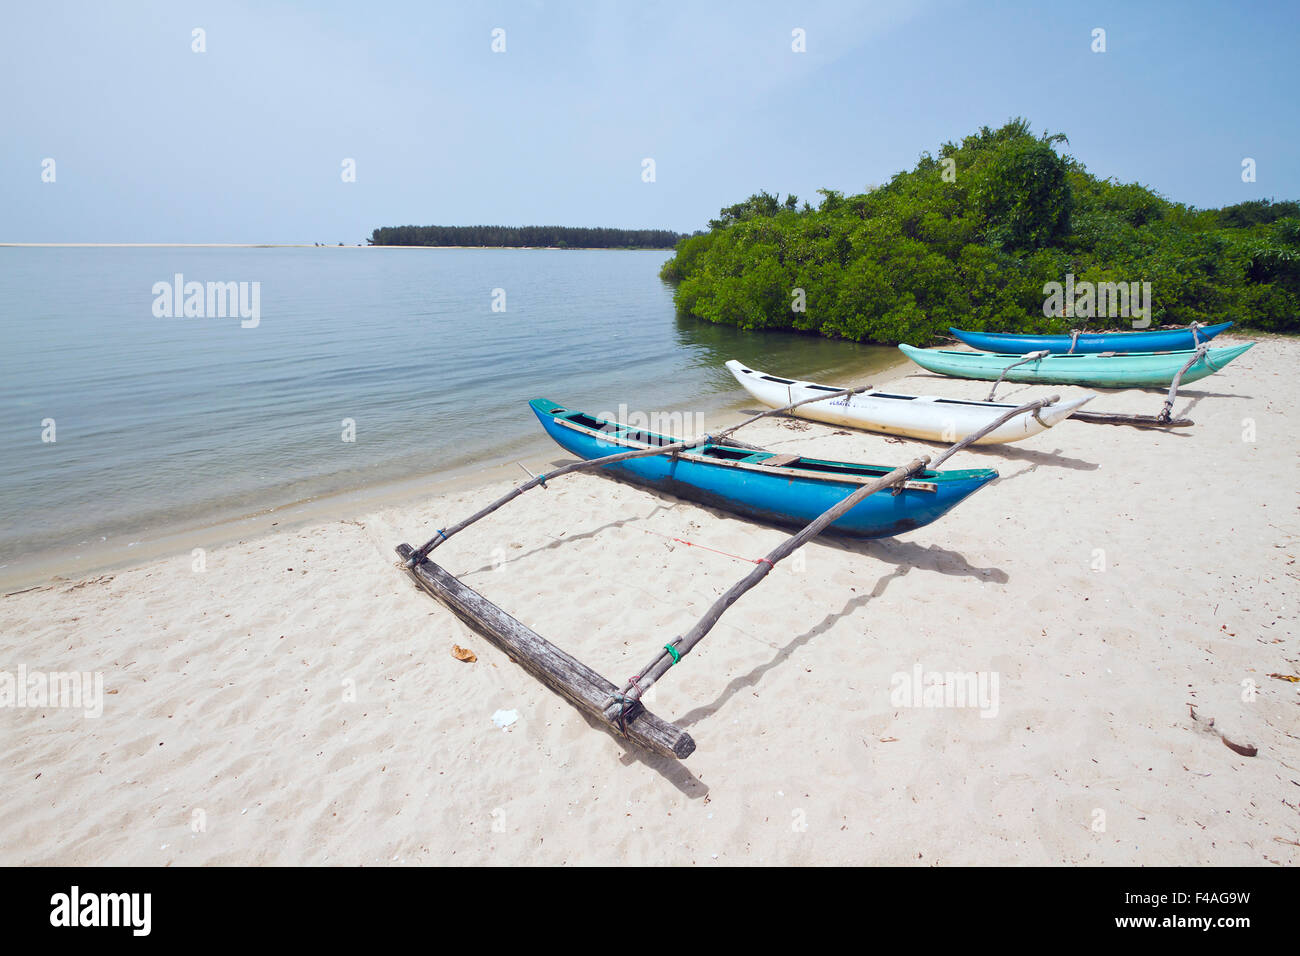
34 571
53 568
149 543
302 699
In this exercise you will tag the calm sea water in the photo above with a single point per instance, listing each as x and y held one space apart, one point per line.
162 422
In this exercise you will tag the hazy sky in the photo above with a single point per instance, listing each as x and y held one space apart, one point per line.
245 142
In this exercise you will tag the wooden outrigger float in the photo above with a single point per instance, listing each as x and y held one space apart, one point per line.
620 709
1163 420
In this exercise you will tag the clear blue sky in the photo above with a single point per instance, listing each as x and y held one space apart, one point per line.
153 142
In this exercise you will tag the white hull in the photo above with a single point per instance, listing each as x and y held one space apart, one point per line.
928 417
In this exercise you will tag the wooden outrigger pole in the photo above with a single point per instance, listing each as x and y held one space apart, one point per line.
1164 419
1028 357
620 709
443 534
1201 352
666 658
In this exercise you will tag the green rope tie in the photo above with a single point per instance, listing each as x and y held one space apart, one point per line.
676 654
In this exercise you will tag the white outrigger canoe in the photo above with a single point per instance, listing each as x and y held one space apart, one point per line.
928 417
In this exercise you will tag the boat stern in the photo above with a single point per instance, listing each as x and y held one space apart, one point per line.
964 481
1216 359
951 488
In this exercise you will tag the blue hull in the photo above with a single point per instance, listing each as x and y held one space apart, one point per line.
737 483
1168 340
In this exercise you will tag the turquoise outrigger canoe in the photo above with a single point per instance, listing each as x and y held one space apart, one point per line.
1126 370
781 489
1161 340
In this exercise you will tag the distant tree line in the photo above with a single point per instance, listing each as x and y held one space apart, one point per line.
969 239
563 237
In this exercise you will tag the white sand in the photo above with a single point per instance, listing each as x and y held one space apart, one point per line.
230 734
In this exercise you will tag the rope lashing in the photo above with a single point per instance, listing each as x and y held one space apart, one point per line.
1196 338
622 713
1074 339
419 554
624 701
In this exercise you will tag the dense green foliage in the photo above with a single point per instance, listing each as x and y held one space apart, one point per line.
572 237
970 238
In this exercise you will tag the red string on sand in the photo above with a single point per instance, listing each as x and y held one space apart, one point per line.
692 544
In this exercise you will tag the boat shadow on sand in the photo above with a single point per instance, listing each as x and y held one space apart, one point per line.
668 504
990 455
1197 394
1196 397
906 556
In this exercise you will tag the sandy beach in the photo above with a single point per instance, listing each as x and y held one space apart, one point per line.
293 699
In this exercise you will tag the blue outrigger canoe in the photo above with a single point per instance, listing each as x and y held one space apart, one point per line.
782 489
1165 340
